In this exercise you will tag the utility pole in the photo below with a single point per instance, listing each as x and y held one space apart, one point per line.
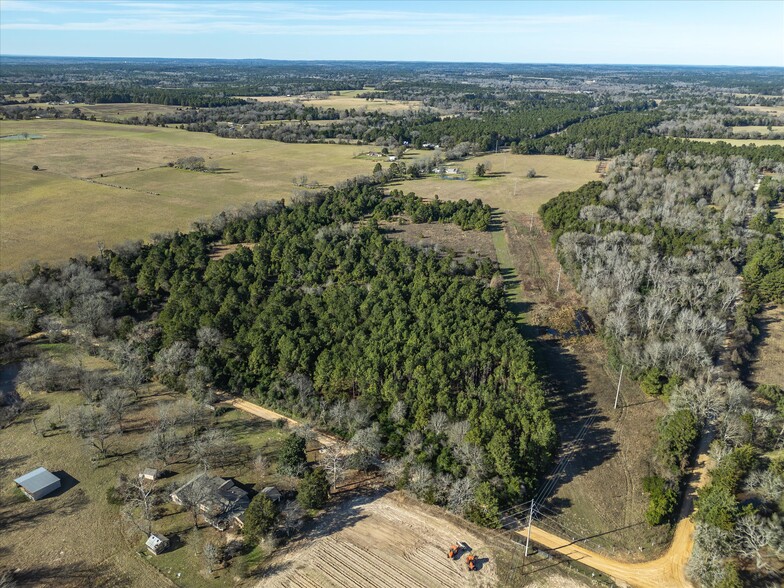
531 224
618 391
558 286
530 522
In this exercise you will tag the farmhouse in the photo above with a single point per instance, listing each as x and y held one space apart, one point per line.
220 501
38 483
149 474
157 544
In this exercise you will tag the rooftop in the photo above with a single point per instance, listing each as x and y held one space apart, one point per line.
37 480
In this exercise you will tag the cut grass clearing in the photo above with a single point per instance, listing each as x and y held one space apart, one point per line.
758 129
108 182
758 142
767 366
111 112
344 100
507 186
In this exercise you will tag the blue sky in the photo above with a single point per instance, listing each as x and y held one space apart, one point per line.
699 33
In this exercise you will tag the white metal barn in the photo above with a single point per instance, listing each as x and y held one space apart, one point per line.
38 483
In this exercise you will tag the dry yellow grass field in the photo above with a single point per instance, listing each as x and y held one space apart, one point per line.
111 112
107 182
507 185
757 129
758 142
774 110
768 364
346 100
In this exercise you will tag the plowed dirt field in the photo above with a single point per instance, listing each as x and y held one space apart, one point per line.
382 542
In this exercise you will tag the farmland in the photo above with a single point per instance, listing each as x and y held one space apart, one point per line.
108 112
385 542
93 174
506 185
759 142
344 100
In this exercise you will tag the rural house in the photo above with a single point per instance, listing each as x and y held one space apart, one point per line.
220 501
38 483
157 544
272 493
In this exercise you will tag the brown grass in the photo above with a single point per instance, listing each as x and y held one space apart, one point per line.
507 186
75 537
767 367
447 236
600 490
67 207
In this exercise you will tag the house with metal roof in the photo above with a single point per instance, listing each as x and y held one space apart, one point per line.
219 500
157 543
38 483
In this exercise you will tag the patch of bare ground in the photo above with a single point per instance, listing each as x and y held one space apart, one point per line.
219 250
605 452
767 366
381 542
442 235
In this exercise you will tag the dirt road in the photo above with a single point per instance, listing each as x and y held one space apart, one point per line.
667 571
270 415
664 572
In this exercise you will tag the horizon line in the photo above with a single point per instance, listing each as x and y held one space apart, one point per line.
7 55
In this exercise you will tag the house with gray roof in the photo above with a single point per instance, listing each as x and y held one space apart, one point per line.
220 501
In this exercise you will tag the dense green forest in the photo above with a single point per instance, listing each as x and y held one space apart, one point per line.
324 318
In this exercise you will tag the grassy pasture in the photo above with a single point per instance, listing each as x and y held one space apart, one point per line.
345 100
774 110
111 112
767 367
757 129
758 142
66 207
506 186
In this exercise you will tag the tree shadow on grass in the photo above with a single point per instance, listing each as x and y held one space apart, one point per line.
79 574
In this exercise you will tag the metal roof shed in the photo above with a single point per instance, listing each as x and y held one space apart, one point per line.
38 483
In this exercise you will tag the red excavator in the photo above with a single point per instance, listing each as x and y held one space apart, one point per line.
471 562
454 551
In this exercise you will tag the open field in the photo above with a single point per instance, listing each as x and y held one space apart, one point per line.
381 542
758 142
111 112
346 100
772 110
599 491
438 235
94 174
758 129
767 366
506 185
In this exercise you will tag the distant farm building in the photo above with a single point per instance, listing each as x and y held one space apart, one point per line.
38 483
220 501
157 543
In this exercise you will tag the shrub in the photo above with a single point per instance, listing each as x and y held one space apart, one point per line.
314 489
663 500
